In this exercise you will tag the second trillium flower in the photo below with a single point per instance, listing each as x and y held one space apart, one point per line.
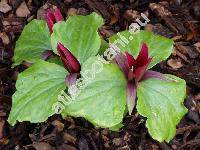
52 17
70 62
135 70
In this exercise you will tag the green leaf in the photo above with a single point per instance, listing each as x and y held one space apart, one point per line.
160 48
37 90
103 100
34 40
116 127
104 47
162 103
79 34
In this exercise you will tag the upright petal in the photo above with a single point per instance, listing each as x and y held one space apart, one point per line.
69 60
139 71
131 59
143 56
58 15
50 19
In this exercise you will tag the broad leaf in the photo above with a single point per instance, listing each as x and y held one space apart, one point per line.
104 47
34 40
37 90
79 34
160 47
162 103
103 100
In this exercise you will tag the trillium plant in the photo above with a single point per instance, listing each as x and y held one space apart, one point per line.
72 46
135 70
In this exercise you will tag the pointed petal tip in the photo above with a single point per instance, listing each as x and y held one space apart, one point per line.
59 45
130 59
144 49
50 19
144 45
143 56
60 48
49 12
58 15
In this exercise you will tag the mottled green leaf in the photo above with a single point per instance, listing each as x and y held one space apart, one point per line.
160 47
34 40
79 34
162 103
103 100
37 90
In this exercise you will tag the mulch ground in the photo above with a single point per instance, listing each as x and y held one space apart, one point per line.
177 19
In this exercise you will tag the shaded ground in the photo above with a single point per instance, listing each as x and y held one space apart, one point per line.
177 19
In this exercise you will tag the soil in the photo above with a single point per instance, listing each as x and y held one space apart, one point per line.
176 19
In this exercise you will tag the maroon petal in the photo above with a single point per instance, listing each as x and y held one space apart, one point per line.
121 60
130 96
139 72
131 59
153 74
143 56
69 60
71 79
58 15
50 19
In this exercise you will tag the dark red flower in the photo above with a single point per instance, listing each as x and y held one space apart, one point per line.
69 60
137 67
52 17
135 70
